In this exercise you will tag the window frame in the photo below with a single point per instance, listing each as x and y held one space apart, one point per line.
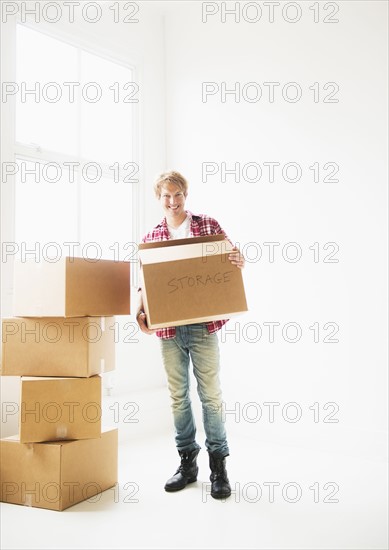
11 149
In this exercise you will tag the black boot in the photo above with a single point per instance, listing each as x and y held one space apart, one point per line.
186 472
220 485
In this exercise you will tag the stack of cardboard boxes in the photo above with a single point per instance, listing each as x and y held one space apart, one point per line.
60 341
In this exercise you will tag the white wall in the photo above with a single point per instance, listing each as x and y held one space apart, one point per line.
174 58
351 213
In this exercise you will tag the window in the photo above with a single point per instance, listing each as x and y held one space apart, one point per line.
77 175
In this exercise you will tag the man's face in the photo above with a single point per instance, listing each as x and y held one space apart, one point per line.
172 200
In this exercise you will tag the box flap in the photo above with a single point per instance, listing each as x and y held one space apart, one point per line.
186 251
175 242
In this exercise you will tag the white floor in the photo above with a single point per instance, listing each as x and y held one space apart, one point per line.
140 514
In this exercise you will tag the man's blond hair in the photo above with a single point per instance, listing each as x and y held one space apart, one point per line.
170 177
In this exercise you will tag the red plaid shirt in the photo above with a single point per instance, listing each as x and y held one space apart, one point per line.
200 226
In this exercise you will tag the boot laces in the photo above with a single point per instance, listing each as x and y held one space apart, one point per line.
185 463
218 470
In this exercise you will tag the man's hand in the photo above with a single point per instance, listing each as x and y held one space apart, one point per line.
141 319
236 258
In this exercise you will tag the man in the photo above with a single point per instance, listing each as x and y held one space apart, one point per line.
196 341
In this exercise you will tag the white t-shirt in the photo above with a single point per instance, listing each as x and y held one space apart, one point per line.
182 231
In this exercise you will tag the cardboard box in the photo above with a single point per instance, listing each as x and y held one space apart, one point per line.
187 281
59 474
56 346
71 287
59 408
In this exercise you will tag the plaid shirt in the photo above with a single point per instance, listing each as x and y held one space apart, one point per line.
200 226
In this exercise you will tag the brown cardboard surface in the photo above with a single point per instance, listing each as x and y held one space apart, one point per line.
58 474
71 287
60 409
102 287
91 466
56 346
186 282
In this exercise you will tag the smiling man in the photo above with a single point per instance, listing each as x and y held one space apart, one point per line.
198 342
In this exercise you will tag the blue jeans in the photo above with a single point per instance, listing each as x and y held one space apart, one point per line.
194 342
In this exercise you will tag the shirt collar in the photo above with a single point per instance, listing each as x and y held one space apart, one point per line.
163 222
